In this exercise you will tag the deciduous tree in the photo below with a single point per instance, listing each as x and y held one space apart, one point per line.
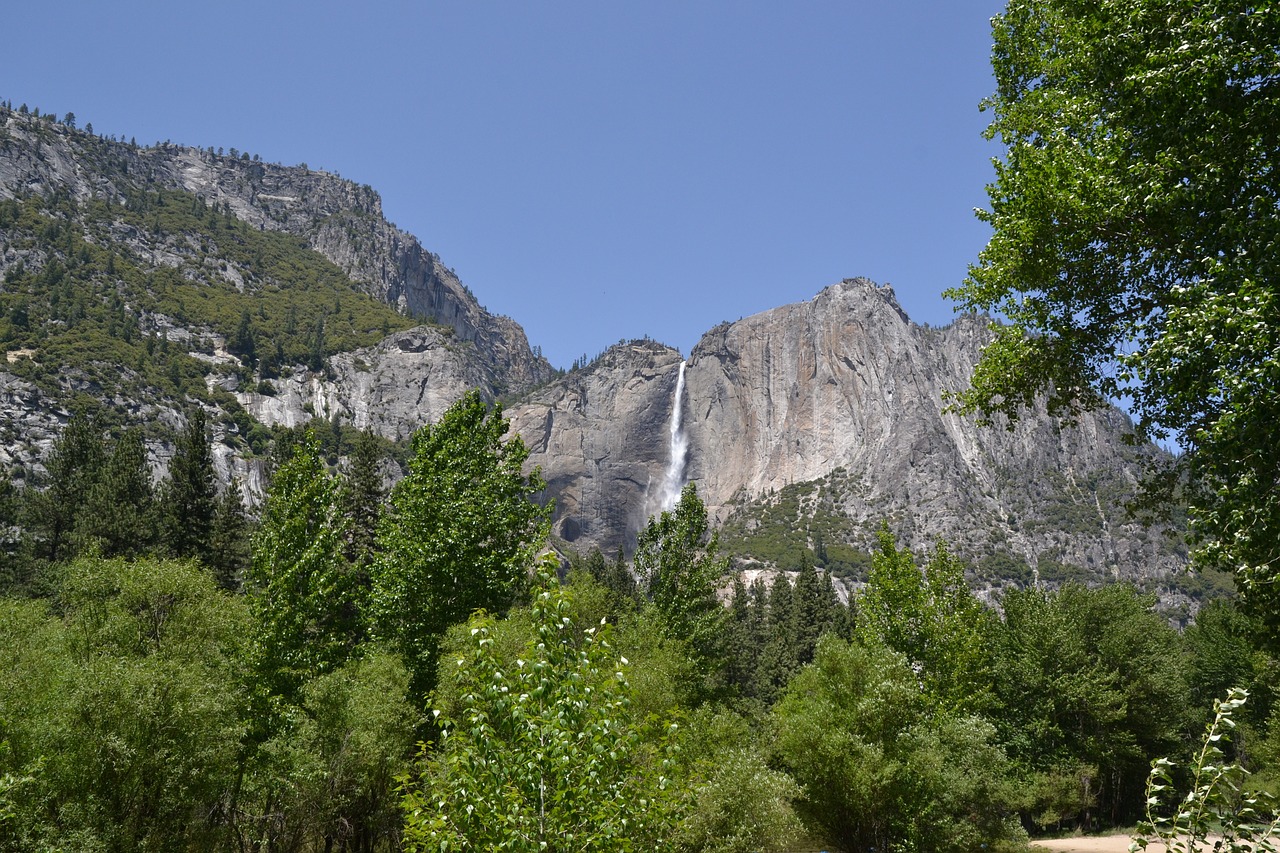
459 535
1136 215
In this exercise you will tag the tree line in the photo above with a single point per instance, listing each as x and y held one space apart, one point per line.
370 669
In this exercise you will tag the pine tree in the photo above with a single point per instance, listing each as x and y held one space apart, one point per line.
190 494
118 513
229 548
362 498
778 661
73 467
677 560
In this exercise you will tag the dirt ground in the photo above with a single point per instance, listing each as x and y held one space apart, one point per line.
1092 844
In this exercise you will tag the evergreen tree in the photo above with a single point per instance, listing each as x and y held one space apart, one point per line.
740 651
814 612
243 343
778 659
189 496
73 467
616 578
118 513
229 546
677 560
362 497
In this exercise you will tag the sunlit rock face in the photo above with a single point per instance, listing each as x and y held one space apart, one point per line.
844 390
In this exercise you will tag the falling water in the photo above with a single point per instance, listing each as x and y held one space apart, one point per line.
673 482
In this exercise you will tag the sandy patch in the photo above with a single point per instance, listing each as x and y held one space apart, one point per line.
1093 844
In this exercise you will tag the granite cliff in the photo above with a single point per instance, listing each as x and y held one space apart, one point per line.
841 400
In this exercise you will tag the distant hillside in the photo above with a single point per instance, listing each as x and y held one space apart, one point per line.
154 278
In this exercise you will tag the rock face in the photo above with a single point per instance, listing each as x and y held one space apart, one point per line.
406 380
600 437
341 220
843 384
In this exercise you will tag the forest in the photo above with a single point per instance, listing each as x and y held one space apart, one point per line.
370 669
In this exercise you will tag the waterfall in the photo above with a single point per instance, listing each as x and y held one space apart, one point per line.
674 481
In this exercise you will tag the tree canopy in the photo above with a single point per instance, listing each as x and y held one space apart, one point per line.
1134 247
459 535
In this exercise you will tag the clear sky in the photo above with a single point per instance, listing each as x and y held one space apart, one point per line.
596 170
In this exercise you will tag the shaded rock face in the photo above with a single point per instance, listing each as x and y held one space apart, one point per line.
600 437
842 383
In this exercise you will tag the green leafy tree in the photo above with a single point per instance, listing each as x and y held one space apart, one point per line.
125 709
1089 686
1218 802
878 770
299 585
545 756
459 535
327 779
1135 223
933 618
189 496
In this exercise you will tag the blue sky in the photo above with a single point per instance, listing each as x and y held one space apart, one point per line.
596 170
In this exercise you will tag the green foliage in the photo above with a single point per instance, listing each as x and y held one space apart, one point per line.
1134 218
931 617
801 526
677 561
1217 802
877 769
1090 684
118 514
362 496
189 496
299 585
230 540
545 756
125 722
621 592
740 804
328 778
459 535
73 466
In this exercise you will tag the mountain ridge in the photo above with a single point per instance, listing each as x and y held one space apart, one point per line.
831 408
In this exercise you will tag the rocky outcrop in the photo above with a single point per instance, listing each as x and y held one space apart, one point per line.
406 380
341 220
846 393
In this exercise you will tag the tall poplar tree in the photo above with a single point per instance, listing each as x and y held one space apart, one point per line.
459 535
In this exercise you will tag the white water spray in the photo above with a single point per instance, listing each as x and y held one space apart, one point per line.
674 481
